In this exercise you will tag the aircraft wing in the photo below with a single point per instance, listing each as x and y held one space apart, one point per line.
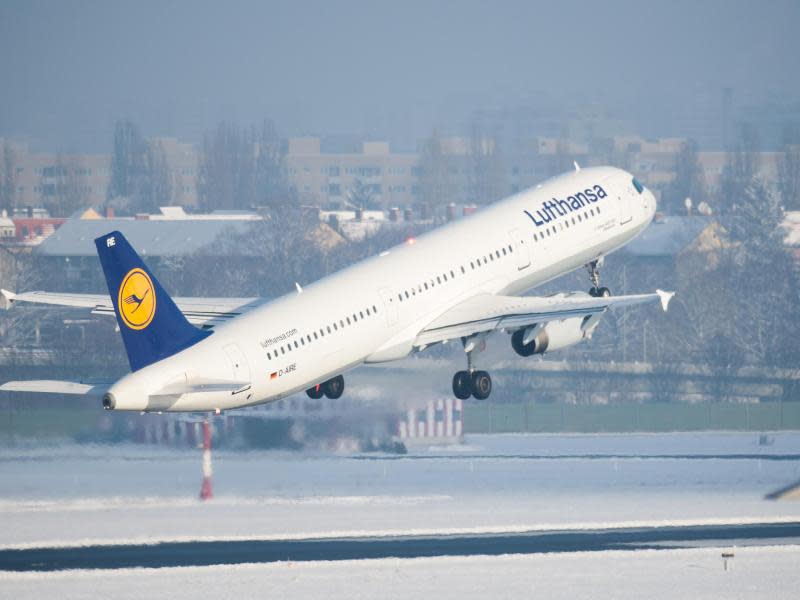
487 312
206 312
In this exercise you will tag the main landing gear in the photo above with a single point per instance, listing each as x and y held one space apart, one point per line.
472 382
333 389
594 273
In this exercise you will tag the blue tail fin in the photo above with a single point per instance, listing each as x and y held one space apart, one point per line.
152 326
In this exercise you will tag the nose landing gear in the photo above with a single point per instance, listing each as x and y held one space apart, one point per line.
594 273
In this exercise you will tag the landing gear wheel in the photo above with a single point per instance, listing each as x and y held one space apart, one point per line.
316 392
603 292
519 347
334 387
462 385
481 385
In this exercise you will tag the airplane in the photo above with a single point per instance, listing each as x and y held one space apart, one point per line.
461 282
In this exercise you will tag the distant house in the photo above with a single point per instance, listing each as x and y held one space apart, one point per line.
655 253
8 231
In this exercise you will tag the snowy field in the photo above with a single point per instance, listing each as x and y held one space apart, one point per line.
754 573
72 494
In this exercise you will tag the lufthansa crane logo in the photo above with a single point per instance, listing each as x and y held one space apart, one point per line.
137 299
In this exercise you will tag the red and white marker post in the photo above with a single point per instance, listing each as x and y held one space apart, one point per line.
205 489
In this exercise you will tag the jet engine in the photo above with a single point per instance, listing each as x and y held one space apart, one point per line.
552 336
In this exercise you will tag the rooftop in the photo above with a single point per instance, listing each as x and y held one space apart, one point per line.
149 237
667 236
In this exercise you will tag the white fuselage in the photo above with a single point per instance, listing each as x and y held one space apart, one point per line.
374 310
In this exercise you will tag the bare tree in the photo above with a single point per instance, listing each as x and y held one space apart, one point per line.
8 178
435 188
743 163
789 176
689 180
128 161
70 191
487 182
271 188
362 195
154 187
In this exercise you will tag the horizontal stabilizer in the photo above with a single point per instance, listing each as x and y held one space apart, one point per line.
54 386
205 312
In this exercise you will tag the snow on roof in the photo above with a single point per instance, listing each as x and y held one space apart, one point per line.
149 238
668 236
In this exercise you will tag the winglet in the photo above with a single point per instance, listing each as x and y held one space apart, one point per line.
665 297
577 166
7 299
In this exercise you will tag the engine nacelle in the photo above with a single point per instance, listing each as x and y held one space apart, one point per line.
553 336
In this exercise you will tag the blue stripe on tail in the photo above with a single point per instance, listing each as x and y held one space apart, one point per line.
152 327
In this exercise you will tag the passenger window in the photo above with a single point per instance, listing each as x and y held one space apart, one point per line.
510 248
296 345
316 337
269 356
452 274
374 309
438 279
504 252
361 314
463 270
471 264
282 350
348 318
335 328
355 319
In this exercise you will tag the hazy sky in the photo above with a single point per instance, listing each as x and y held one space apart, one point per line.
382 69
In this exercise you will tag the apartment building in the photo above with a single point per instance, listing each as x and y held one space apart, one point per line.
41 177
322 178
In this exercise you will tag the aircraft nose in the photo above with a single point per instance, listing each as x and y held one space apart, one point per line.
650 203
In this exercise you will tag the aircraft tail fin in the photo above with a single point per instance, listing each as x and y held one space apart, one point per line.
152 326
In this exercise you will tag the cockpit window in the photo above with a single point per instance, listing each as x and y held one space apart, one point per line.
638 185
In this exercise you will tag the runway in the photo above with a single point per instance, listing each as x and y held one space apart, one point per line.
238 551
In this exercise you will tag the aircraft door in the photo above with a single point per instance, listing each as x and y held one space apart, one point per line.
625 203
389 305
241 370
521 249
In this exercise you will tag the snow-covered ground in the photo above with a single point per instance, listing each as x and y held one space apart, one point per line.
69 494
76 494
757 573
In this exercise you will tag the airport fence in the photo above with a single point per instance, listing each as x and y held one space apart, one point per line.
621 418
